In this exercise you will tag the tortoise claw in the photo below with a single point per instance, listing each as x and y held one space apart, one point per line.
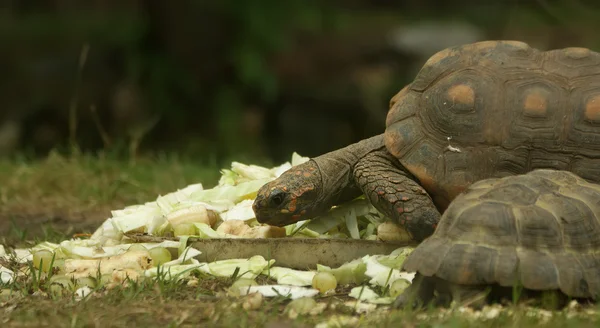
403 301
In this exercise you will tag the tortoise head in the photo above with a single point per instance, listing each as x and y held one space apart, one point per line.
293 197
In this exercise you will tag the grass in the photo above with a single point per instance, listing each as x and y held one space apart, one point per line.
75 194
57 197
149 305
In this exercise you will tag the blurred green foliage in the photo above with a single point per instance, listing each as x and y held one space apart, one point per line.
199 65
262 31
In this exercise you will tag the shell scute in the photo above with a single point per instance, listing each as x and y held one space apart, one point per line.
497 108
540 228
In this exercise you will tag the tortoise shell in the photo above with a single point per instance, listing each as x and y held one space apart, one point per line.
497 108
541 228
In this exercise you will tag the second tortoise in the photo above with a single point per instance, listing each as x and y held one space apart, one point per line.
539 231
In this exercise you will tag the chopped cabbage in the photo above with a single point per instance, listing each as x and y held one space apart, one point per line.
87 248
143 217
286 276
352 224
23 255
231 199
240 211
6 275
244 190
188 254
176 272
176 269
206 232
366 294
248 268
297 159
352 272
382 275
251 172
82 292
293 292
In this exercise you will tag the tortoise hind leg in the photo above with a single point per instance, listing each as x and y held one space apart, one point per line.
438 292
394 192
419 293
473 296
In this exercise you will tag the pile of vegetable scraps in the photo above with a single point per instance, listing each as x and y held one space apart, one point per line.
110 258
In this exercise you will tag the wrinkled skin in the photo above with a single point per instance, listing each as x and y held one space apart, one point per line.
312 188
294 196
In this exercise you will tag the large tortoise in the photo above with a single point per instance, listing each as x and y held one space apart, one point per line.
484 110
539 231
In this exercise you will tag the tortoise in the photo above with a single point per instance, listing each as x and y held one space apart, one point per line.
489 109
539 231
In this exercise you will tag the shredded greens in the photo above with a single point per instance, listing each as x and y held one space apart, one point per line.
224 211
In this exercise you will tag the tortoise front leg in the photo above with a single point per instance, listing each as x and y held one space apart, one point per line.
396 194
419 293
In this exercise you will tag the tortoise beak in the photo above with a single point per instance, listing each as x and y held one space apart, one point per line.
261 215
265 215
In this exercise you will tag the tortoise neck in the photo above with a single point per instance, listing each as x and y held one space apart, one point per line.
337 169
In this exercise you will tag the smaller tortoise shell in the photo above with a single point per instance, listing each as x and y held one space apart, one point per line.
497 108
540 228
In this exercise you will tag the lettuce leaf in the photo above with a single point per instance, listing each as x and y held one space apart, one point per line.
6 275
286 276
293 292
237 193
352 272
206 232
251 172
177 271
248 268
382 275
87 249
240 211
297 159
366 294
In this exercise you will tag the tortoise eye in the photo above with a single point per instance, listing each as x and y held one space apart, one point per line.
277 198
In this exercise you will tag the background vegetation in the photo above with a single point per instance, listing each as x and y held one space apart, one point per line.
243 79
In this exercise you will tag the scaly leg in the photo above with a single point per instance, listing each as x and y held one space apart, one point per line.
395 193
472 296
419 293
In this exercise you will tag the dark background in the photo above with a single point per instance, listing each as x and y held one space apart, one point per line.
237 79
